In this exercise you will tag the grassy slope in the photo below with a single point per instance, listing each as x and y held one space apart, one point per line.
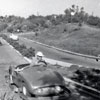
85 40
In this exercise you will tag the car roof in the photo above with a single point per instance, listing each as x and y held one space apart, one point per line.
40 76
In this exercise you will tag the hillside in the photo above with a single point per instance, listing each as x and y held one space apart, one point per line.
85 39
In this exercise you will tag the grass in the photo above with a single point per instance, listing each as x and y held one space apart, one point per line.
85 40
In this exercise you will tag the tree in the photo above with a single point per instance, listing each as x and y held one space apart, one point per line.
73 8
81 16
93 20
31 17
3 26
77 9
67 16
10 29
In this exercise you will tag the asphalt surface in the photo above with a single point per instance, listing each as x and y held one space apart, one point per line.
8 55
61 56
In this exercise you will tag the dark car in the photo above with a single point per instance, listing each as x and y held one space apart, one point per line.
38 82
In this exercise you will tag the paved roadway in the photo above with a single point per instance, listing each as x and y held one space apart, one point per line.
61 56
9 56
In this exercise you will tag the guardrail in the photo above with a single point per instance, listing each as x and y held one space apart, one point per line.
66 51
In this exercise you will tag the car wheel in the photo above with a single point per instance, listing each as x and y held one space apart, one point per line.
14 88
66 94
23 93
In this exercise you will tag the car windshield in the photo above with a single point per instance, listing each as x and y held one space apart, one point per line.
22 66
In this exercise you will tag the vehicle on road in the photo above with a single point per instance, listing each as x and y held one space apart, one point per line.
14 37
38 82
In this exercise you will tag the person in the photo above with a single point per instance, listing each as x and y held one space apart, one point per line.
38 59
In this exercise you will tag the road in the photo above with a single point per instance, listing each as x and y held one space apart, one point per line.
61 56
8 55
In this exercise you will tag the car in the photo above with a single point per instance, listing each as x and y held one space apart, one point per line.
38 82
14 37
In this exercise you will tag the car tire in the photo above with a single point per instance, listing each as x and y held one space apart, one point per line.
66 94
23 93
14 88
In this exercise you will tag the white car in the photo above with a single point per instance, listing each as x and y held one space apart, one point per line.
14 37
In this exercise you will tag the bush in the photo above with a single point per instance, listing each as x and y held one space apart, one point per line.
89 77
3 26
10 29
3 36
29 52
93 20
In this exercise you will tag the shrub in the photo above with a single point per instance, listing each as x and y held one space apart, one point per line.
89 77
93 20
3 26
3 36
10 29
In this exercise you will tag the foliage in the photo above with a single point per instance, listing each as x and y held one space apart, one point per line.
3 26
89 77
10 29
3 36
30 52
93 20
74 14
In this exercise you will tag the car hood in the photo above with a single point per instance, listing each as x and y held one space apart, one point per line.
36 76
